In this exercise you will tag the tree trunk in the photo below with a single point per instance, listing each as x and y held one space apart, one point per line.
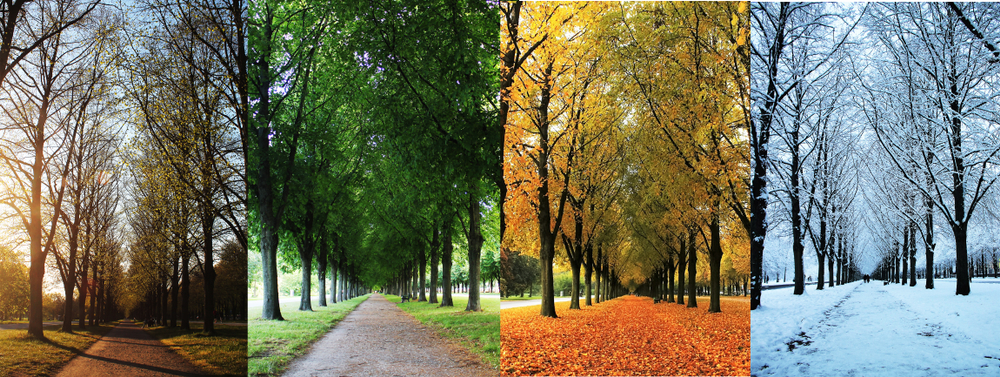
435 244
475 239
547 229
820 276
961 260
36 272
446 249
98 308
84 289
67 320
163 302
959 227
422 260
929 233
574 300
692 270
321 269
93 301
682 267
186 290
671 271
575 253
913 254
414 275
758 187
896 265
589 270
840 260
333 278
597 266
829 263
342 284
269 218
904 254
305 257
715 262
174 291
797 247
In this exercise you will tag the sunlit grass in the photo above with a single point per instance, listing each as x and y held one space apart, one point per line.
519 298
479 332
537 296
272 345
222 354
22 355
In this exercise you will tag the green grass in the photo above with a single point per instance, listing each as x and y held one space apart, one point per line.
519 298
222 354
272 345
479 332
537 297
22 355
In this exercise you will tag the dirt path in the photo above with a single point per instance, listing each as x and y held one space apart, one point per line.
128 351
379 339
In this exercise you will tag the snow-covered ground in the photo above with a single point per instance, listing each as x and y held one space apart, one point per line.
874 330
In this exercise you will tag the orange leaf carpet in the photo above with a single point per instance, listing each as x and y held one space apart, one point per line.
628 336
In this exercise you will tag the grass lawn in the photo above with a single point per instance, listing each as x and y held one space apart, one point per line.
21 355
582 299
519 298
222 354
479 332
273 344
538 297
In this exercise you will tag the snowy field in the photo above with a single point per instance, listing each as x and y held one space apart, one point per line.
874 330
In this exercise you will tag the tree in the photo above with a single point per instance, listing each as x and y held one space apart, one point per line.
773 70
14 285
276 62
41 56
951 70
528 162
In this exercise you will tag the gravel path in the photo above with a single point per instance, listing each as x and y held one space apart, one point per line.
128 351
379 339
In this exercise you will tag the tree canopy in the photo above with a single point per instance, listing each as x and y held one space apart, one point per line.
625 149
376 140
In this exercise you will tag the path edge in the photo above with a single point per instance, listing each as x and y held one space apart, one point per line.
284 368
83 351
170 348
443 333
184 356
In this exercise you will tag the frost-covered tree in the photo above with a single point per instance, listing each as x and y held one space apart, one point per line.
795 49
933 104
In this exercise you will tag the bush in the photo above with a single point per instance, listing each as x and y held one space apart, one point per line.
520 273
564 282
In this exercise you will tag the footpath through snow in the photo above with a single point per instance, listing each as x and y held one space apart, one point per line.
870 329
379 339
